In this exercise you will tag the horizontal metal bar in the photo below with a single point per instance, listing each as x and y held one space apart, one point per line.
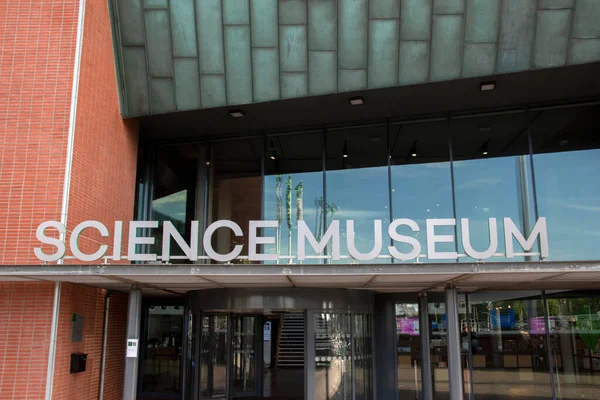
295 269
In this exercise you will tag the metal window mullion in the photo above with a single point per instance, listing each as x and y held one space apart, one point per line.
324 162
452 185
351 318
389 169
549 344
471 383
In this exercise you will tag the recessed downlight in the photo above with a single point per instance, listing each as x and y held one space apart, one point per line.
487 86
237 113
356 101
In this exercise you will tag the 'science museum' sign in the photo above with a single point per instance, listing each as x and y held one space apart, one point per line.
330 239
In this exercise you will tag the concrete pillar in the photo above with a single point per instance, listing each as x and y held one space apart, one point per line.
424 330
134 314
453 330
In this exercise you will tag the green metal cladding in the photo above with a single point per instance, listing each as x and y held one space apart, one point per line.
177 55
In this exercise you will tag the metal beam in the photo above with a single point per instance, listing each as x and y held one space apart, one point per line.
455 379
134 312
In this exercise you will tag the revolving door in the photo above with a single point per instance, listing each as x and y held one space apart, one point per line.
230 365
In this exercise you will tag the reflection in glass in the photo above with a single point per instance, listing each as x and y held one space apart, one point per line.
421 182
574 320
358 189
162 356
333 374
293 185
173 193
213 357
408 348
236 187
492 179
567 161
243 354
508 340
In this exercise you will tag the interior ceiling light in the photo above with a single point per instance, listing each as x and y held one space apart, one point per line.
237 113
484 148
273 155
487 86
356 101
345 150
413 149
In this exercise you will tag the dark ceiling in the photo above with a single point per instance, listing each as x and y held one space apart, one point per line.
533 88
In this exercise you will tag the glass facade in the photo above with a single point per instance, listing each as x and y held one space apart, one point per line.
461 179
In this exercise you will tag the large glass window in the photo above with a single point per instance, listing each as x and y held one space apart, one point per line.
358 190
421 183
567 185
235 185
492 180
508 339
293 185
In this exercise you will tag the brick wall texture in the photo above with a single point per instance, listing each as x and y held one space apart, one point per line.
37 55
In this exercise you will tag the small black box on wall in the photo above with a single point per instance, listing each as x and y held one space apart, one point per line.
78 362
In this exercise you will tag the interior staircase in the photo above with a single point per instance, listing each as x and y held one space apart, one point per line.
290 347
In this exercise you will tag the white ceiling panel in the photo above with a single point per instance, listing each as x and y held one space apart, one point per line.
165 279
259 285
331 280
16 279
243 279
490 279
415 278
575 276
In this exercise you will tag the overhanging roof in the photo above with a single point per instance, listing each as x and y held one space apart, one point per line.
389 278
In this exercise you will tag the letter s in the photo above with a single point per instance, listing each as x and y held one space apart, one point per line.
40 233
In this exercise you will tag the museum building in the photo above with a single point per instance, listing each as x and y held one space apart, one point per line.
261 199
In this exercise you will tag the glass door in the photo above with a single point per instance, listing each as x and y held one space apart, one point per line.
245 356
213 356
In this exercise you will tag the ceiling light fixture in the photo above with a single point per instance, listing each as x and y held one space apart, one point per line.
487 86
356 101
345 150
237 113
273 155
413 149
484 148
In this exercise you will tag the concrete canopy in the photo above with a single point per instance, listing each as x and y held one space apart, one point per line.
196 54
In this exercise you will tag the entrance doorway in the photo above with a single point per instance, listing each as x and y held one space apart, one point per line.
245 356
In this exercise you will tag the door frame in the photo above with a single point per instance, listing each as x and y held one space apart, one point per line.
258 356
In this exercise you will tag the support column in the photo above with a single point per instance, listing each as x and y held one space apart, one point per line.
134 314
453 331
424 331
385 363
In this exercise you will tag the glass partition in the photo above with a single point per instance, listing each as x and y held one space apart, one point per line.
408 347
508 341
343 356
574 322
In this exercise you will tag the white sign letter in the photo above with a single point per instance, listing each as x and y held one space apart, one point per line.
207 240
253 240
510 230
352 247
134 239
40 234
74 241
117 240
432 239
404 239
332 233
466 240
169 231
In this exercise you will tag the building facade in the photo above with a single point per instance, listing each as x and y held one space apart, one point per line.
382 199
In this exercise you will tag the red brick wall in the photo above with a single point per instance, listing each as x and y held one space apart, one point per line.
105 146
37 52
115 353
89 302
25 317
